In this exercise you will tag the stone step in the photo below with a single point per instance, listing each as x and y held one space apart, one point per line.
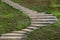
41 16
10 38
32 27
42 22
42 13
37 25
27 30
37 14
20 32
34 13
12 35
44 17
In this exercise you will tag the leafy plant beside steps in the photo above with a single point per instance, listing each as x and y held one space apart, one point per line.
12 19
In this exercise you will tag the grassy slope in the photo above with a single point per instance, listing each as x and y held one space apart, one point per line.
12 19
36 5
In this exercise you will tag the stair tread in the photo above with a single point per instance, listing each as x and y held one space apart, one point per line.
38 25
42 14
12 34
42 22
19 32
10 37
27 30
44 19
32 27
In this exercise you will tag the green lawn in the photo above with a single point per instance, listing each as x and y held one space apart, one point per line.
12 19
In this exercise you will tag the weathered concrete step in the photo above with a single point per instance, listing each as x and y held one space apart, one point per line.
37 14
10 38
27 30
41 16
42 22
12 35
37 25
32 27
44 17
20 32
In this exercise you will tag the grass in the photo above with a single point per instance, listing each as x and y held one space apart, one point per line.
12 19
36 5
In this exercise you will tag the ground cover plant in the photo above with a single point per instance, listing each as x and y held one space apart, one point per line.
12 19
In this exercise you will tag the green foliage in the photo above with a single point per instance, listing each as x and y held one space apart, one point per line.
2 29
12 19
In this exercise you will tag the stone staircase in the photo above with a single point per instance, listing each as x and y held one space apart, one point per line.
36 23
37 20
